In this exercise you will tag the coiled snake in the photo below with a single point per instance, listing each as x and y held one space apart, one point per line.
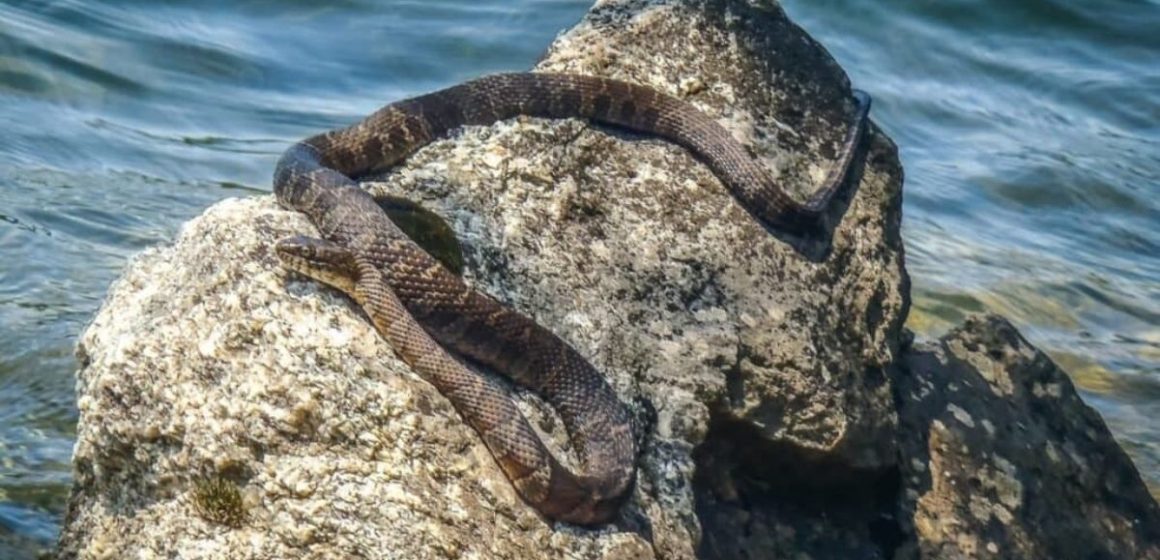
414 301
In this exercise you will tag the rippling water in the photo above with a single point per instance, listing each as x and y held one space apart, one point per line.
1030 132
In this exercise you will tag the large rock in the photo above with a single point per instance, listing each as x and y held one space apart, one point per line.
1001 458
998 458
230 409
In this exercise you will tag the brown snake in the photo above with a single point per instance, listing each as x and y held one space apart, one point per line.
411 298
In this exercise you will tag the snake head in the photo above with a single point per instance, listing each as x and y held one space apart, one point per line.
322 260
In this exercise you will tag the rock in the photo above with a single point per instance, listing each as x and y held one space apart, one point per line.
230 409
1001 458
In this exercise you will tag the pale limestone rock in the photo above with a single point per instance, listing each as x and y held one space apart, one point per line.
208 360
773 365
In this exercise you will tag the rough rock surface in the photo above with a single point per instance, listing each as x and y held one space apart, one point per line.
208 360
768 360
1001 458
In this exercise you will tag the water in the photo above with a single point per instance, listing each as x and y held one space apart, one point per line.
1029 131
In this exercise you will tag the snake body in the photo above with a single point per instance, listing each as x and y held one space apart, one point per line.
414 302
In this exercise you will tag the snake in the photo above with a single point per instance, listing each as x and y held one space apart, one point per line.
439 325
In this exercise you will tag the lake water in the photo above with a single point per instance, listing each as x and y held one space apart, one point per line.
1030 133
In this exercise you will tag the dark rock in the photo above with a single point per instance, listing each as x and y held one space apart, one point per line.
1001 458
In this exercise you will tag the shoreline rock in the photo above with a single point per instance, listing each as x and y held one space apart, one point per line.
211 378
1003 459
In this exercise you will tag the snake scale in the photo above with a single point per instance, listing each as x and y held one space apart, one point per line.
414 301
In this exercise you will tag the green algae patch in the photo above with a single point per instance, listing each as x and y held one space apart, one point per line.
219 500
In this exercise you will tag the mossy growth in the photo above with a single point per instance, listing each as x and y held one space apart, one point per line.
425 228
219 500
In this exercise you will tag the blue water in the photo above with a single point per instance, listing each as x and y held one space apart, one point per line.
1030 132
